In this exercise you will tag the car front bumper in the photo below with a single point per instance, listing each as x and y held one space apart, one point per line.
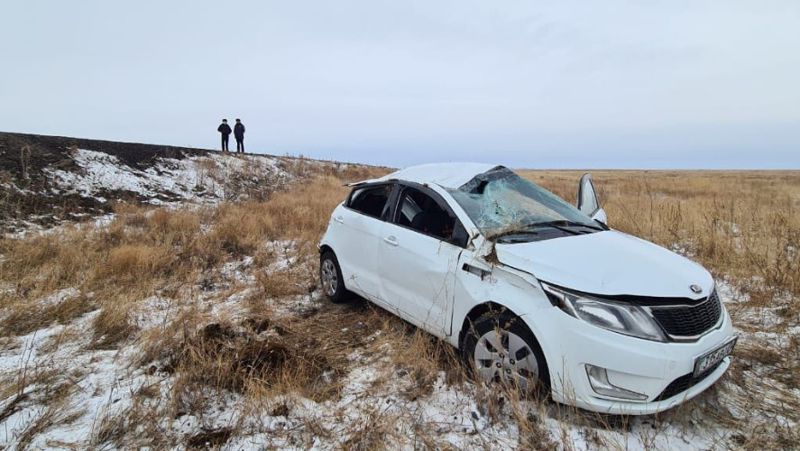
634 364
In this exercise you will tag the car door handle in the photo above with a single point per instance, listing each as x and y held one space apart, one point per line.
339 219
391 240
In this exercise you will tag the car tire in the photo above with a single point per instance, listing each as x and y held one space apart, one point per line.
330 278
519 362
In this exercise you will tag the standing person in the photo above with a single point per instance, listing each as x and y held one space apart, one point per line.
225 130
238 133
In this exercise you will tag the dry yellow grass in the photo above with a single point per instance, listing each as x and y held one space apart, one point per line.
744 226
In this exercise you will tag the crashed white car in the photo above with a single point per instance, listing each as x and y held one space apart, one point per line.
533 291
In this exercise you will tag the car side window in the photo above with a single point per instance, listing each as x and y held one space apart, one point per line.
422 213
370 200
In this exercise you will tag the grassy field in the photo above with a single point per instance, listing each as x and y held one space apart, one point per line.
215 309
741 224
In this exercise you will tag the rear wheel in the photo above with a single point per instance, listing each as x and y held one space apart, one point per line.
500 349
330 277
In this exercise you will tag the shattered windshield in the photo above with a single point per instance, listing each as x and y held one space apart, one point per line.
501 203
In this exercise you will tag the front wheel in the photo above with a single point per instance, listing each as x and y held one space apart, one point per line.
499 348
330 277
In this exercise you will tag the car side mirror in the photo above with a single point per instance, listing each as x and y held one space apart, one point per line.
588 203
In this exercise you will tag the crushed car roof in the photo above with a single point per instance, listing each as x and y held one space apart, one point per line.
448 175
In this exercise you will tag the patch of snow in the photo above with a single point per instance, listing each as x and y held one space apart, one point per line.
728 293
155 311
196 178
58 297
232 306
99 382
27 229
237 270
223 411
284 252
11 186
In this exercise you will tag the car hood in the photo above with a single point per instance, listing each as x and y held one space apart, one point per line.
609 263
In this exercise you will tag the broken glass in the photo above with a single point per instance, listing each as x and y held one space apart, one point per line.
500 202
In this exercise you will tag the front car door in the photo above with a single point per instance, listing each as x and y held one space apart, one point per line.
418 256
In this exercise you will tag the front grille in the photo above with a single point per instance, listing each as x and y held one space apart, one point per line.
684 383
691 320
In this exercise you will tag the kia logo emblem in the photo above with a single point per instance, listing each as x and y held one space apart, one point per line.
696 289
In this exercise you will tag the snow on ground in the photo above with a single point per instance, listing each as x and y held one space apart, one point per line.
104 384
58 297
97 381
237 270
196 178
27 228
284 252
155 311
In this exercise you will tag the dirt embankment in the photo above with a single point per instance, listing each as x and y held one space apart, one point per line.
44 150
27 192
45 180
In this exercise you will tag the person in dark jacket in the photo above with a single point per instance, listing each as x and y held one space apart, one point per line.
238 133
225 130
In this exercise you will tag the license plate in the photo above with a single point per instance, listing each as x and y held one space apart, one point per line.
713 357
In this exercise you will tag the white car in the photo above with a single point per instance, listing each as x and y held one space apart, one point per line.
533 291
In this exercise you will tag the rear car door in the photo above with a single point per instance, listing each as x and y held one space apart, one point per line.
417 258
359 225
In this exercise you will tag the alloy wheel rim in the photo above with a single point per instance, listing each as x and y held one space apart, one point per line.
503 356
329 278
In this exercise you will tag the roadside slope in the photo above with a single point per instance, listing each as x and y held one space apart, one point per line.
45 180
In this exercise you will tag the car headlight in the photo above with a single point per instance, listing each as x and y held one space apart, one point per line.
623 318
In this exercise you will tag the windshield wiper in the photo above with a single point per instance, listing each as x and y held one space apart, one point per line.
565 226
512 232
565 223
561 224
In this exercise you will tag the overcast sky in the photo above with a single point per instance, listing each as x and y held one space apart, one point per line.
615 84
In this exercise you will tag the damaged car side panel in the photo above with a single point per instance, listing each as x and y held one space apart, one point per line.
419 270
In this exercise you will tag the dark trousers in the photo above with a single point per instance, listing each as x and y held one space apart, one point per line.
224 143
240 144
